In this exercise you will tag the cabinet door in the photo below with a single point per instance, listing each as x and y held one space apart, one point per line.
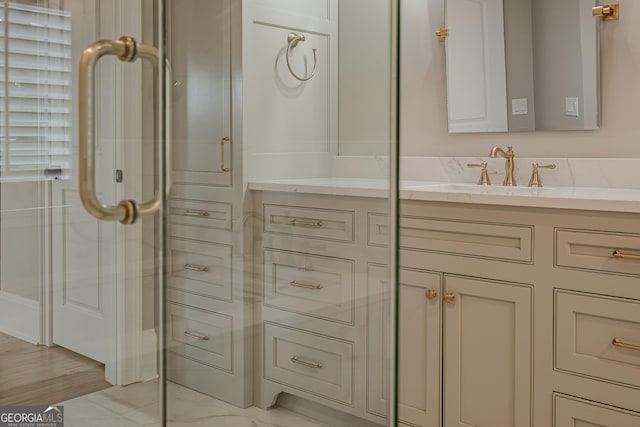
419 365
487 353
201 58
573 412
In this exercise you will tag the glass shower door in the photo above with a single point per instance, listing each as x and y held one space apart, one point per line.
244 277
280 225
78 295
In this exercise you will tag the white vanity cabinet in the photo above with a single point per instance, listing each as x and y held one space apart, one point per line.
465 341
323 285
596 309
453 351
209 313
507 314
311 264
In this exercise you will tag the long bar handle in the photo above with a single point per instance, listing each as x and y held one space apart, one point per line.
199 214
196 336
195 268
311 286
616 342
316 365
622 255
127 50
224 168
306 223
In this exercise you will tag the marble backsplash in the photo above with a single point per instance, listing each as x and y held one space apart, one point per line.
569 172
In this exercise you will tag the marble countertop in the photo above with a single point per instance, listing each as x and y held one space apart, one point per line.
582 198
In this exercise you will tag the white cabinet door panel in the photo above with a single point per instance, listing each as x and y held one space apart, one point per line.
487 353
201 59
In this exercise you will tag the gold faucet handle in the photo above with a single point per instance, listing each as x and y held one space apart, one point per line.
535 176
484 177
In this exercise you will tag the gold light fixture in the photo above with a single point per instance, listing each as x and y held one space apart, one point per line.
442 34
610 12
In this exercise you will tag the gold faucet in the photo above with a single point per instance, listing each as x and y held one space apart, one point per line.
509 166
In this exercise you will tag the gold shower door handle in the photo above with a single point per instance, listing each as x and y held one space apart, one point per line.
126 49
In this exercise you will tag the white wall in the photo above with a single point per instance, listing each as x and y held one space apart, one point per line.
21 239
423 121
289 127
364 77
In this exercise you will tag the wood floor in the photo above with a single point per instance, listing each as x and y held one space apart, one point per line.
38 375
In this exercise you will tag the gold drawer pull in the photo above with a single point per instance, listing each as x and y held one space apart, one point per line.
620 344
312 365
622 255
312 286
195 268
431 294
199 214
306 223
196 336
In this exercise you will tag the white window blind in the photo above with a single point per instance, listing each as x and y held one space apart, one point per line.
36 92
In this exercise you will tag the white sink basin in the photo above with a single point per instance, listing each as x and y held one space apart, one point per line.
482 189
602 199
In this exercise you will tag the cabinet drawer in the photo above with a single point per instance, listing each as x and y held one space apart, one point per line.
309 222
586 326
476 239
570 411
200 214
312 285
200 335
593 250
201 268
313 363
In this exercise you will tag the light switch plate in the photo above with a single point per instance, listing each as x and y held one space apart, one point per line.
572 107
519 107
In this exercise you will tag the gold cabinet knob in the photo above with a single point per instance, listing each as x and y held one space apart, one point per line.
431 294
449 298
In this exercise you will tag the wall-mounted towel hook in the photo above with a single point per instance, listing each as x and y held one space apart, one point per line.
293 39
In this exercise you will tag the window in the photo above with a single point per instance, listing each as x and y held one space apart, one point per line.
36 92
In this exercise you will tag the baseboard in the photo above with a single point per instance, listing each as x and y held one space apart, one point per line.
20 317
321 413
149 355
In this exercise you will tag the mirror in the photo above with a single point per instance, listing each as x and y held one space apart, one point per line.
522 65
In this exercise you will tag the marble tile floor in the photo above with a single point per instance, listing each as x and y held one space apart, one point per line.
137 405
